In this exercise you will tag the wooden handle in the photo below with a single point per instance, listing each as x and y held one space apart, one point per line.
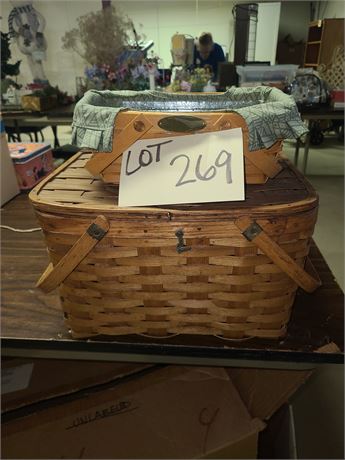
129 134
131 126
262 160
53 276
253 232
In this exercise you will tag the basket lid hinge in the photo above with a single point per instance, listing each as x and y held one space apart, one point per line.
96 232
252 231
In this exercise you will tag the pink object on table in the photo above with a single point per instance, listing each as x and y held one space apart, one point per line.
32 162
338 95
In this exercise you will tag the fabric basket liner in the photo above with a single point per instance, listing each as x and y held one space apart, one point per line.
270 114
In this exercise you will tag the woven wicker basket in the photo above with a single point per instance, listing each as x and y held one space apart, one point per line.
111 121
225 269
259 165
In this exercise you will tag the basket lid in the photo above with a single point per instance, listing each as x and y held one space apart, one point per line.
72 190
269 113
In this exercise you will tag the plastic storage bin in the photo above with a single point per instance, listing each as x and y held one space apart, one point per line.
32 161
257 75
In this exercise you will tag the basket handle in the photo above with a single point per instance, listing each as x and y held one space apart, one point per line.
131 133
254 232
53 276
261 160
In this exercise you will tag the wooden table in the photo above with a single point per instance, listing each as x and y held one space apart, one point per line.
59 116
312 115
32 322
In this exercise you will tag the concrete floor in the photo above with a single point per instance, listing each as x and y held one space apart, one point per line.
325 171
319 405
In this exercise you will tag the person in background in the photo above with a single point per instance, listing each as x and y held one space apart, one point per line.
208 54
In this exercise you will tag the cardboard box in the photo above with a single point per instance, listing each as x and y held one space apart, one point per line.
38 103
9 185
170 412
156 412
264 391
25 382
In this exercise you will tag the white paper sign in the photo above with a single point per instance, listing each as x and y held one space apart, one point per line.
195 168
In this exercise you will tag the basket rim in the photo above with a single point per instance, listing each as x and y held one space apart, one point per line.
166 213
258 106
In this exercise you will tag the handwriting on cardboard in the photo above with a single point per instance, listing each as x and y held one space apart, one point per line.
184 169
121 407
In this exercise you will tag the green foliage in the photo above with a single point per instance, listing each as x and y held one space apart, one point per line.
6 68
194 80
199 78
62 97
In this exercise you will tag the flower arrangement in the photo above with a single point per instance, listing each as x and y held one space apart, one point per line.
102 40
7 69
199 78
129 71
99 37
194 80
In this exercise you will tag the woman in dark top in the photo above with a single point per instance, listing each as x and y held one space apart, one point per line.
208 54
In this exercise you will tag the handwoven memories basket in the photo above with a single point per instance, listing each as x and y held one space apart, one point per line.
226 269
229 269
110 121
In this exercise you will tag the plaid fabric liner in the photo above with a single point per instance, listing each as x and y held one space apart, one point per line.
269 113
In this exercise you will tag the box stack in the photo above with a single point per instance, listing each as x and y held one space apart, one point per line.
66 409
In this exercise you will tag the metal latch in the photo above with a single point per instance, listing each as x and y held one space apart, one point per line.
96 232
181 247
252 231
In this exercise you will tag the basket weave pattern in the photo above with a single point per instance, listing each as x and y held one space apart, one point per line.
134 281
141 285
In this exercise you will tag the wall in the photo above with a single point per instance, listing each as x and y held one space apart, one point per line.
61 66
294 20
335 9
295 16
267 32
160 20
157 20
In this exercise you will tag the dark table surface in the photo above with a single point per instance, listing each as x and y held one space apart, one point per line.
321 113
32 322
13 111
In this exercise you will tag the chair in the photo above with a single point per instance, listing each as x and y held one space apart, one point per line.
14 133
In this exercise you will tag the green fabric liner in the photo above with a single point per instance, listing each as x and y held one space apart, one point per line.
269 113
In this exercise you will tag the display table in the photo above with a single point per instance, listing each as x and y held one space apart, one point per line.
18 118
32 322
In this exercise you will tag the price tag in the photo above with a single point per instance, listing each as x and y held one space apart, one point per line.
195 168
